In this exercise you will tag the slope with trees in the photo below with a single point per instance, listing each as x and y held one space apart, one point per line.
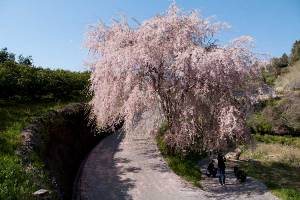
282 114
22 80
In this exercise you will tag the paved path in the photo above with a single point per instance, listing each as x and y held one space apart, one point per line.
251 189
122 167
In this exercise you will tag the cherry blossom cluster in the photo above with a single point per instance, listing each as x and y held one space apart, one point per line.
173 63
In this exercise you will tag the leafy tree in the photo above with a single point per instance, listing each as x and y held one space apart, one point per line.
25 60
168 65
26 82
295 54
274 69
5 55
284 60
280 62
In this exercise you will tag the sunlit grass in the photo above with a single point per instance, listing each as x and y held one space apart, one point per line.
285 140
276 163
17 182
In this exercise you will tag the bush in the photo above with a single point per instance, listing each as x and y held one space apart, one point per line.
276 139
259 124
279 117
25 82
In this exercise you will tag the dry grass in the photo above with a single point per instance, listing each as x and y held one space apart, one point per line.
277 165
275 153
289 80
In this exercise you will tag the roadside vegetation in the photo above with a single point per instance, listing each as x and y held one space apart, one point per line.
15 181
20 80
278 116
276 129
276 162
26 92
183 165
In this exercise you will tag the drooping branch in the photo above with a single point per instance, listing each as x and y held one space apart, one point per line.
172 62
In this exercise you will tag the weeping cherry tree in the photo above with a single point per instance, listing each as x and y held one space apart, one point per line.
173 64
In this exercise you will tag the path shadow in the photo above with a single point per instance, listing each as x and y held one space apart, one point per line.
232 188
275 174
101 177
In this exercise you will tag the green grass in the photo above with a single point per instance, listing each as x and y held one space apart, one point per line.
273 139
276 162
16 182
184 166
280 178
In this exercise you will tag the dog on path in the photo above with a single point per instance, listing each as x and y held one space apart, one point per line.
239 174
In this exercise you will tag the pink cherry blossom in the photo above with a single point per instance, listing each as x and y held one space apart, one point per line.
173 64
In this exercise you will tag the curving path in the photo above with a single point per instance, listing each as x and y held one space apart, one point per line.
122 167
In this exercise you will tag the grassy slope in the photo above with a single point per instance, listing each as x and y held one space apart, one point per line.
276 162
15 181
184 166
289 80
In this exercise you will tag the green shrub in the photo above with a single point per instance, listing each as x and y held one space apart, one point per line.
279 117
26 82
259 124
285 140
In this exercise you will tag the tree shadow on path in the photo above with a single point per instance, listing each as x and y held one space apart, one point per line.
232 188
101 174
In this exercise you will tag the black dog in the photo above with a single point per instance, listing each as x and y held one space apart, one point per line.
239 174
211 170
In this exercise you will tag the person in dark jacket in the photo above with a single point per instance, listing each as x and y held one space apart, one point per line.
221 168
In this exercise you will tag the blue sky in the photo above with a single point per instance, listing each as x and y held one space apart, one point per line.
52 31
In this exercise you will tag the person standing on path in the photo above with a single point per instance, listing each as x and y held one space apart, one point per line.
221 168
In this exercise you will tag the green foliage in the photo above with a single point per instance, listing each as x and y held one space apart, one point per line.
269 75
284 60
280 116
275 68
25 82
5 55
185 166
25 60
16 182
276 139
20 83
259 124
295 54
281 62
287 193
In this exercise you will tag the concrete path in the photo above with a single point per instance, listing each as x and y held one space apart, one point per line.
123 167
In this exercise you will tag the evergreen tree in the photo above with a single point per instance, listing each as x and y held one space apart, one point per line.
295 55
